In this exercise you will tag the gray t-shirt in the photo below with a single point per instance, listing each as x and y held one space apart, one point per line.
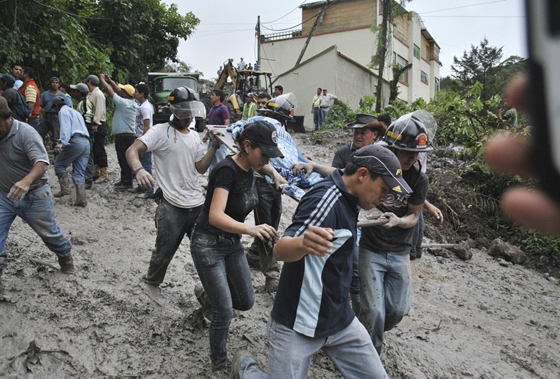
20 150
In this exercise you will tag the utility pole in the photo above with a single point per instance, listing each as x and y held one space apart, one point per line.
258 35
319 19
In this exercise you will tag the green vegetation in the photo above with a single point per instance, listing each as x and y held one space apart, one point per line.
466 110
70 39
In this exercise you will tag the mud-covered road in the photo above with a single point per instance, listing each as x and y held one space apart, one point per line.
470 319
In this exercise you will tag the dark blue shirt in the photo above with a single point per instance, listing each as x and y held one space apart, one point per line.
312 297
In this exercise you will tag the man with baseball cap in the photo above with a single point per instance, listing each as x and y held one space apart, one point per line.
99 127
73 149
124 125
311 310
366 130
86 109
384 269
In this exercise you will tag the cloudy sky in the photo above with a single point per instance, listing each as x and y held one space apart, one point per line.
227 28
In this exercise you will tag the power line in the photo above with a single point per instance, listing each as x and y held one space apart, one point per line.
303 22
465 6
270 22
473 16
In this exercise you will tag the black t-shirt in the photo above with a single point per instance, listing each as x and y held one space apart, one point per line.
342 155
397 240
242 197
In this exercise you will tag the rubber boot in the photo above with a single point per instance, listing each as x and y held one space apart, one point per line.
64 185
81 200
102 175
95 172
67 264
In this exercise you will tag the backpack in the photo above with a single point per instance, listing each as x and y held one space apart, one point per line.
20 108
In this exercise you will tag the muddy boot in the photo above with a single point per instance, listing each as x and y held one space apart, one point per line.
95 172
355 300
67 264
102 175
81 200
64 185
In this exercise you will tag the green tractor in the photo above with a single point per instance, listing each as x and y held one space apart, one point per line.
162 83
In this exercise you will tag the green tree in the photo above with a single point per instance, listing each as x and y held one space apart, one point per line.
71 38
478 65
389 8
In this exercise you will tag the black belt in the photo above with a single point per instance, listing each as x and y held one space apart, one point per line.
79 135
325 107
125 135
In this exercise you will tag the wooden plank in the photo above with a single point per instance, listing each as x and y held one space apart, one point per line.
224 136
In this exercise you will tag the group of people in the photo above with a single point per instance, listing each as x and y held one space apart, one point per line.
320 249
320 106
78 140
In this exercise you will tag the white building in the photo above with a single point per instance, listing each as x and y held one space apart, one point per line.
341 48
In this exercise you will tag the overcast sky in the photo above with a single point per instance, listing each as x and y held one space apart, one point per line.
227 28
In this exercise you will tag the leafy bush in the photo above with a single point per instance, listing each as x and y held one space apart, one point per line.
339 115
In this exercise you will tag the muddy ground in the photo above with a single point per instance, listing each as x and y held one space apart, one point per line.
481 318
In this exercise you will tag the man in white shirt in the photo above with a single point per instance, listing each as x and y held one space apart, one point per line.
326 102
180 158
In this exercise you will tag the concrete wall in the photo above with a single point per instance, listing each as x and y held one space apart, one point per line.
280 56
343 78
355 40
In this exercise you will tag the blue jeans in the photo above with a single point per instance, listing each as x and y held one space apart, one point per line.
324 112
220 155
290 354
146 162
76 153
36 209
317 118
385 295
418 234
172 224
223 270
34 122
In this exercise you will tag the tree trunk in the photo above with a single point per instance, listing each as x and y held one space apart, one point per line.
382 51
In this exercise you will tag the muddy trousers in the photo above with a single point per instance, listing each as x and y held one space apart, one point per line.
99 152
36 209
224 272
290 354
122 143
50 123
268 211
172 223
418 235
385 292
89 167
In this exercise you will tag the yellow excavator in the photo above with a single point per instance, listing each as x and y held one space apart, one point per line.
244 81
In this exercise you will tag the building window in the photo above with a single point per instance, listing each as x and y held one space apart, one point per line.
401 62
416 52
436 86
424 77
